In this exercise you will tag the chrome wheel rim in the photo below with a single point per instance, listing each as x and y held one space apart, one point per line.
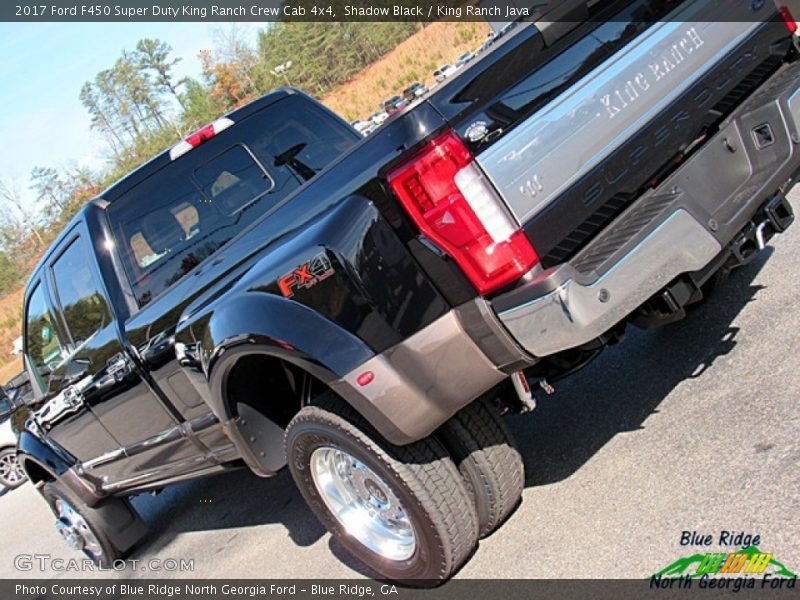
363 503
75 530
10 470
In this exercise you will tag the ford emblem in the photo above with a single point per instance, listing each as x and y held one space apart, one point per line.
477 131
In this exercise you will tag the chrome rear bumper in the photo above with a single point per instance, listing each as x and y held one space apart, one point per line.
575 313
678 228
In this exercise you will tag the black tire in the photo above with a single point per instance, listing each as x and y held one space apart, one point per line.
483 448
11 474
55 494
421 476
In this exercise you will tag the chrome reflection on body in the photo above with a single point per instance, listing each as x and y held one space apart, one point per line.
363 503
75 530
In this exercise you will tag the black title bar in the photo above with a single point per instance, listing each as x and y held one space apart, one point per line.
336 10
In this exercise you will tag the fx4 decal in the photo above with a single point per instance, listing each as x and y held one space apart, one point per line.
306 275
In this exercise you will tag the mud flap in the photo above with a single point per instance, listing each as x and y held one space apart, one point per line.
263 438
121 523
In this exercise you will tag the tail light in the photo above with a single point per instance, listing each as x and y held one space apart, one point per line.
449 199
788 19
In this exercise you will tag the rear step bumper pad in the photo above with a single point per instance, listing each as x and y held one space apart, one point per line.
574 314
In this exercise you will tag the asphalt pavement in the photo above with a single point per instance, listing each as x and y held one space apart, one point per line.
693 427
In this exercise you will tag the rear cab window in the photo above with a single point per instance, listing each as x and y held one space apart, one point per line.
171 222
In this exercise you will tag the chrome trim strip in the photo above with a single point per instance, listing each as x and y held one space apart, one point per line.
184 467
103 459
184 430
188 476
575 314
569 136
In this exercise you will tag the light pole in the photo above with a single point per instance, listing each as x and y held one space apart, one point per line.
281 70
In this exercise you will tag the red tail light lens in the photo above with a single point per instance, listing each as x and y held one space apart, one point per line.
203 135
447 196
788 19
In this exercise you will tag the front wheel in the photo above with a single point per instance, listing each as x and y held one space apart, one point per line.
403 511
11 473
80 525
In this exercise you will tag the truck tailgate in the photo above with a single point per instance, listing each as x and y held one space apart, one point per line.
580 159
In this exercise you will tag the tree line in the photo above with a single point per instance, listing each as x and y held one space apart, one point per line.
140 107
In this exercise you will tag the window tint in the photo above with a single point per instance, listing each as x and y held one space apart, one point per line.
172 221
43 347
84 306
302 137
233 180
163 228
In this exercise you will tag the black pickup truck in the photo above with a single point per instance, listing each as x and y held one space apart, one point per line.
276 290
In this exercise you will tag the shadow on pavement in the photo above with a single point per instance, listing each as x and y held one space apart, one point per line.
626 383
229 501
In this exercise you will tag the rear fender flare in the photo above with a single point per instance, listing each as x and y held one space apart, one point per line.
263 324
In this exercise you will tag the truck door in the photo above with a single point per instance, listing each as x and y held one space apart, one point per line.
61 416
150 442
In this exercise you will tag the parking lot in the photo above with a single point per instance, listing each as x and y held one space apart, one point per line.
693 427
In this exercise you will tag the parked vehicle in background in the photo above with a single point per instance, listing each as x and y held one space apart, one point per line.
276 291
506 28
486 46
363 127
464 59
394 104
379 117
444 72
11 473
414 91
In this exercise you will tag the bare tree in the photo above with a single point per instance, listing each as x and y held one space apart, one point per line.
20 219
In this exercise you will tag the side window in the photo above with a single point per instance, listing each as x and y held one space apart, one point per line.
163 228
5 407
79 293
42 345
